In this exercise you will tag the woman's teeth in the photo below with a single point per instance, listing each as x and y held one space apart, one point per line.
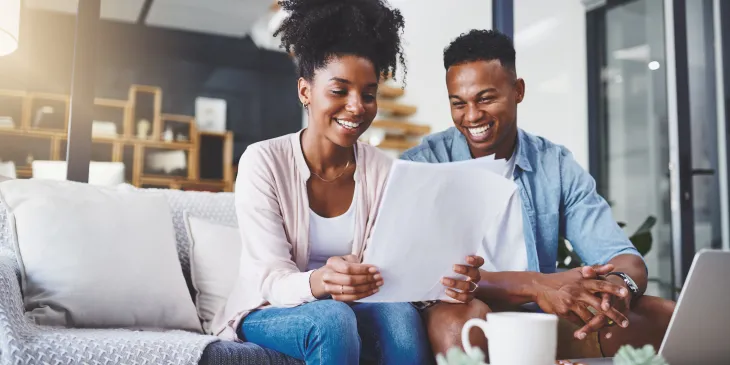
346 124
479 130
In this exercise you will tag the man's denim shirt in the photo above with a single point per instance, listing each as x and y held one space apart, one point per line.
558 196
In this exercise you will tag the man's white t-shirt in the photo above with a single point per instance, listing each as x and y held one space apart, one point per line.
504 248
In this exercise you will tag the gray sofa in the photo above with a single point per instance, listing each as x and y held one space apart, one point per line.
24 342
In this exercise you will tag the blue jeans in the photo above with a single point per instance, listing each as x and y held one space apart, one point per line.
331 332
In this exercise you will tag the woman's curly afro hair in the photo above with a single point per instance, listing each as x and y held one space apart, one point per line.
317 30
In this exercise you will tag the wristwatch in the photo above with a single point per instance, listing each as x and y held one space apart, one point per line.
633 288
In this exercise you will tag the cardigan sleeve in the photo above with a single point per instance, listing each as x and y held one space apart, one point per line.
266 252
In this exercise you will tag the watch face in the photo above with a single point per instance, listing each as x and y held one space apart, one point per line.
631 285
630 282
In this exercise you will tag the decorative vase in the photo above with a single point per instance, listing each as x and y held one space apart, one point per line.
168 136
143 128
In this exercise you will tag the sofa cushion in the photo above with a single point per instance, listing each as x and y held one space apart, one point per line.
214 207
97 257
215 252
237 353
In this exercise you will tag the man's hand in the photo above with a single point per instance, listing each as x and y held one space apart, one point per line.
621 304
569 295
463 290
345 279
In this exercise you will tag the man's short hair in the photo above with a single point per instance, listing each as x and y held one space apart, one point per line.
481 45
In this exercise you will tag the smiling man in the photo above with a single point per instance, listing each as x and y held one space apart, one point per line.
601 306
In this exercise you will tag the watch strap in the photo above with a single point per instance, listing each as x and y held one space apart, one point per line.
633 288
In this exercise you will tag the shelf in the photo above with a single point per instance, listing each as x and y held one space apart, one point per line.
162 144
146 89
393 108
182 183
40 133
111 103
49 96
24 172
49 137
34 109
178 118
160 179
180 125
215 134
405 128
397 144
390 92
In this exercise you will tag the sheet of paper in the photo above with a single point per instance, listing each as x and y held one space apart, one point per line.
431 217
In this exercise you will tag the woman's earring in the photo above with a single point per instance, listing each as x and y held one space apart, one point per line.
306 105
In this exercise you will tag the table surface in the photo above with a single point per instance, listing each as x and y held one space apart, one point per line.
604 361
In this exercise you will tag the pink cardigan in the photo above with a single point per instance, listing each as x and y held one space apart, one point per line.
273 216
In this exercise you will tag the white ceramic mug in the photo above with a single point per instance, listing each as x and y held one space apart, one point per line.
516 338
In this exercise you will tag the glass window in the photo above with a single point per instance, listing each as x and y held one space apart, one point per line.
634 131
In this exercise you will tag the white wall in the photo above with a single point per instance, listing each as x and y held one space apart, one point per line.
430 26
550 39
551 57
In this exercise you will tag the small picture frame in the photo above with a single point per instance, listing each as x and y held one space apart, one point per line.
210 114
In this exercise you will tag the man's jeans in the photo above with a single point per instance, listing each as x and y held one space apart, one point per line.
331 332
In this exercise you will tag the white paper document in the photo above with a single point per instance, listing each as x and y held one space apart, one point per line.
431 217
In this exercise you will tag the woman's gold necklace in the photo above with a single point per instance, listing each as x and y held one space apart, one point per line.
336 177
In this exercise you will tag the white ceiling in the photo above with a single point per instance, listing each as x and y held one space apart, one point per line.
221 17
119 10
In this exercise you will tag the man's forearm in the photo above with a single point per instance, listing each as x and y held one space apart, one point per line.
634 267
509 287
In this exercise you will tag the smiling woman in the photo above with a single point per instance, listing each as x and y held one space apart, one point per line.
306 201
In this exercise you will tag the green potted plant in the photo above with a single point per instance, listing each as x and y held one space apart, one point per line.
646 355
641 239
457 356
626 355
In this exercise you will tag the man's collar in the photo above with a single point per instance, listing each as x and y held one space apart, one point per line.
460 149
459 146
523 142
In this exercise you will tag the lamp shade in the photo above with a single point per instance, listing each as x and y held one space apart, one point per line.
9 26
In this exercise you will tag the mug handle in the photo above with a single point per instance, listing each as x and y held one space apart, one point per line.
474 322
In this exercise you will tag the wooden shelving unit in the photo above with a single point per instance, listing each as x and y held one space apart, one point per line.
390 92
405 128
397 144
400 133
30 111
395 109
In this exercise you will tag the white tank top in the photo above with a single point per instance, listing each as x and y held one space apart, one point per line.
330 236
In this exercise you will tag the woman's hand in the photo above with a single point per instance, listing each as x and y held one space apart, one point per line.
463 290
345 279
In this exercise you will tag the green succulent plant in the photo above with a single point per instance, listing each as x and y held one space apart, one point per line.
457 356
646 355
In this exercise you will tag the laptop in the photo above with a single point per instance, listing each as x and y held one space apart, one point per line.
699 331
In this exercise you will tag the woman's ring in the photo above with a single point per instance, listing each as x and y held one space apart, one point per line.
475 286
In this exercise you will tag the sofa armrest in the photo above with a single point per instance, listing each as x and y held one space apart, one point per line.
11 304
22 342
11 297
